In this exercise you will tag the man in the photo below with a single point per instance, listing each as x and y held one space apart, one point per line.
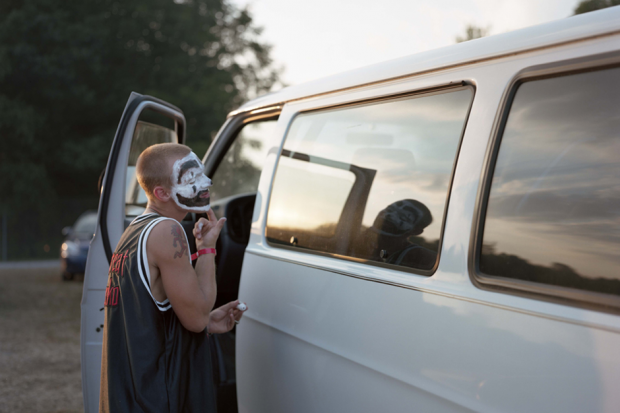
158 308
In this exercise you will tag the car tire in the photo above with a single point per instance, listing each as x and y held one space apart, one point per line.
67 276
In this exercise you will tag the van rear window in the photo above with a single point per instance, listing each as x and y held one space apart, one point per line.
370 182
553 212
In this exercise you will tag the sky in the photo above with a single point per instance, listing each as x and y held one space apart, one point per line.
318 38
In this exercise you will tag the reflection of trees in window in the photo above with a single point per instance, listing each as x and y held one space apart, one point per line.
513 266
366 246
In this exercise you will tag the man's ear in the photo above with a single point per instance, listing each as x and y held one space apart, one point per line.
161 194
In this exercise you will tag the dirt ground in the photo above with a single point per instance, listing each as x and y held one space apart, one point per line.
39 341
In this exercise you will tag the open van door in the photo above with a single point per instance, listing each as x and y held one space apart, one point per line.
146 121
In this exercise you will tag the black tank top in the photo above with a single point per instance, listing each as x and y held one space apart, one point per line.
150 362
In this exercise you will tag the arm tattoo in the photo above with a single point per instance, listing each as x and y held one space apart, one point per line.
178 241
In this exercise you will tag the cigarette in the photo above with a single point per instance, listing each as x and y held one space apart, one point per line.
242 307
200 224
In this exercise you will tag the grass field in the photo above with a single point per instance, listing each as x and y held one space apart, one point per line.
39 342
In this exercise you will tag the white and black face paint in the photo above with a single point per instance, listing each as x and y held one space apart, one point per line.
190 185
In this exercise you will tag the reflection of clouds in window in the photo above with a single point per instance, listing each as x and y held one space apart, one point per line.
419 125
555 195
428 128
571 162
398 150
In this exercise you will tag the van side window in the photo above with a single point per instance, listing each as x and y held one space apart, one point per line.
240 169
370 182
145 135
553 212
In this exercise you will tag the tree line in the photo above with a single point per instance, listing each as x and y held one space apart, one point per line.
66 71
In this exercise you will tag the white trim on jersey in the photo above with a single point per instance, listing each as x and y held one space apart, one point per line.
141 217
143 262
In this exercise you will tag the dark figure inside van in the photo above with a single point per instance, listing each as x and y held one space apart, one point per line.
394 228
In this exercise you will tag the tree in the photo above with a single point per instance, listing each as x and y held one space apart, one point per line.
473 32
67 69
586 6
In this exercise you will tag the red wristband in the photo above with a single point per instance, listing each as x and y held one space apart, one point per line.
203 251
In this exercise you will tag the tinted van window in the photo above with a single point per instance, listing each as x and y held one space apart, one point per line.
369 182
145 135
239 171
553 212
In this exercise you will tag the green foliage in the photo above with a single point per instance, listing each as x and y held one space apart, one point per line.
473 32
586 6
68 67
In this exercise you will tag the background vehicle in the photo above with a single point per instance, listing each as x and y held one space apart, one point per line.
74 249
438 231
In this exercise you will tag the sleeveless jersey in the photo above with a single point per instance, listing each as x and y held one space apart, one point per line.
150 362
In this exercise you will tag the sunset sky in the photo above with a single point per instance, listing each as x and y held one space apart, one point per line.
322 37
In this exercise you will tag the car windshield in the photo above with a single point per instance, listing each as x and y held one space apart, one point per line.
86 224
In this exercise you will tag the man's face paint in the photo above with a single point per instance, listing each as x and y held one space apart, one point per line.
190 185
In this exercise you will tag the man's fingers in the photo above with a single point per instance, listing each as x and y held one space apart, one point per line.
211 215
229 306
199 228
238 314
220 223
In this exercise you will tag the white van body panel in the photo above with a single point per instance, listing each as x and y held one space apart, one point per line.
329 335
320 341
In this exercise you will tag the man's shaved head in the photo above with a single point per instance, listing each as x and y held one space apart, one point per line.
154 166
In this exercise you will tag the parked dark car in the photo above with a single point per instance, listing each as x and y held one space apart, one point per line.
74 249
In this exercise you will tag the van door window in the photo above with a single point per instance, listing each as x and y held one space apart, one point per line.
308 201
145 135
553 212
240 169
370 182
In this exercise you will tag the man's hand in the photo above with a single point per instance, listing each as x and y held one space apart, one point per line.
222 320
207 231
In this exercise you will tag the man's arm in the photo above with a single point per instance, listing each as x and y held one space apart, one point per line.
191 292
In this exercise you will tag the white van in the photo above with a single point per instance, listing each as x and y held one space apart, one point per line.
439 232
